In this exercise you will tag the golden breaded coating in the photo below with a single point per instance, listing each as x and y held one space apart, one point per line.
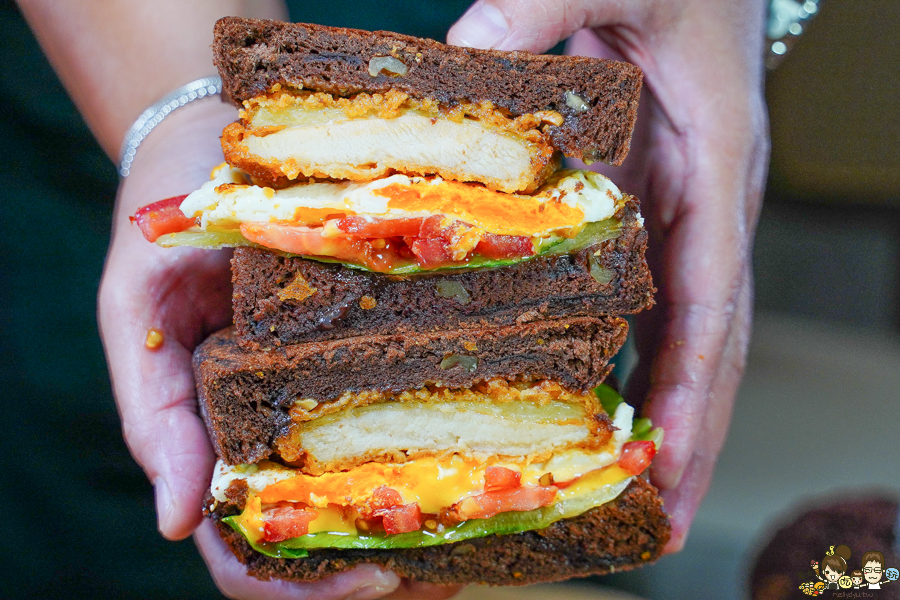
284 136
497 418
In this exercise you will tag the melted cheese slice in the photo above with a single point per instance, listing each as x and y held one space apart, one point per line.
568 201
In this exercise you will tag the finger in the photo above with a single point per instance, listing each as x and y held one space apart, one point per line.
154 389
416 590
683 501
698 291
362 583
700 247
533 25
184 294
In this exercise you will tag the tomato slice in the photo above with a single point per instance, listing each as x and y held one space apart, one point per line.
432 227
431 253
500 478
504 246
310 241
286 522
380 228
304 240
493 503
401 519
161 218
636 456
383 245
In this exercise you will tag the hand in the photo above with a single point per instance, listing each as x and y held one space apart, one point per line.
697 163
186 294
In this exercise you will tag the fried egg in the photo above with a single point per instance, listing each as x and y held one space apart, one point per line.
569 200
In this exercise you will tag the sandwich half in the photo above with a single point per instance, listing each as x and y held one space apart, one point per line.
376 182
457 457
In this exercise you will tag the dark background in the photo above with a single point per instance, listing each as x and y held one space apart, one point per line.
80 519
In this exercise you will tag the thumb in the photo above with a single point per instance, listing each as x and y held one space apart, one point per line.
533 25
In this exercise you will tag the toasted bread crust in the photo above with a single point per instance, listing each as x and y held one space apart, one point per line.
245 397
253 55
620 535
349 302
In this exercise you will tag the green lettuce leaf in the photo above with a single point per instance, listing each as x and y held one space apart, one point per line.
641 428
209 240
593 233
609 398
504 523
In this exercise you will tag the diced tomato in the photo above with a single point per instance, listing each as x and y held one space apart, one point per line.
382 498
493 503
161 218
380 228
504 246
636 456
285 522
500 478
385 497
403 518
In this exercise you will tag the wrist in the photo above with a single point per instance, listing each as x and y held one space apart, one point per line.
153 116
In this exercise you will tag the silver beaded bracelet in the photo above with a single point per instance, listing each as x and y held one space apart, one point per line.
154 115
787 20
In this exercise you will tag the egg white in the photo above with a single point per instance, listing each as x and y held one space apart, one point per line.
228 199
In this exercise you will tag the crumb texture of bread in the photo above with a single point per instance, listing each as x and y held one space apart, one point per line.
350 302
597 98
620 535
246 397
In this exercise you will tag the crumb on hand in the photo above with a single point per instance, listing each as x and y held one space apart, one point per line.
154 339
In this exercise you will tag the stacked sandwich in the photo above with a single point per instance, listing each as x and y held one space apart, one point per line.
425 306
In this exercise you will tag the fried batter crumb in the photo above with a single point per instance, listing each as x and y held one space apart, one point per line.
299 289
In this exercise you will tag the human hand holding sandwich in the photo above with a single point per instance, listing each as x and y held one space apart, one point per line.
697 162
115 59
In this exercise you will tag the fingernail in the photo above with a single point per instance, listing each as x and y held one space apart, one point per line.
384 583
163 503
483 26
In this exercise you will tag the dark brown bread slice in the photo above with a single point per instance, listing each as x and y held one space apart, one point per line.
349 302
245 397
252 56
629 532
